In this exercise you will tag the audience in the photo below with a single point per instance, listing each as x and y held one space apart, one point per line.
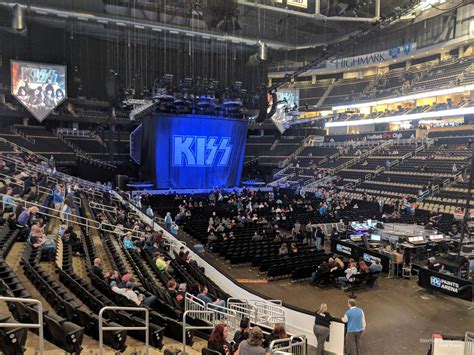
218 340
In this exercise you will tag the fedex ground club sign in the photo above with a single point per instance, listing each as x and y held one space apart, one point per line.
371 58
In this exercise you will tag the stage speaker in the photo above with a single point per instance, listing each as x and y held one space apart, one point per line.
121 181
112 87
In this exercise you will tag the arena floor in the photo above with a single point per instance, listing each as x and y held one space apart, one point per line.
395 309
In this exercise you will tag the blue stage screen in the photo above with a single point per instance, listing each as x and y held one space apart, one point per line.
198 152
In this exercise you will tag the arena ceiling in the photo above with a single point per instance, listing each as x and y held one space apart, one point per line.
240 21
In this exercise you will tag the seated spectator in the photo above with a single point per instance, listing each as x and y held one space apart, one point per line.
97 270
125 278
283 249
127 242
252 345
319 274
171 288
349 273
375 266
162 264
277 333
294 249
151 243
136 297
39 239
243 333
8 204
71 238
256 237
181 292
27 215
112 276
11 221
363 266
218 340
203 296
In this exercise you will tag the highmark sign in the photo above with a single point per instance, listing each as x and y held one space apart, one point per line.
371 58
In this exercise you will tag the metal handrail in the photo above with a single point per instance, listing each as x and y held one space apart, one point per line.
128 309
89 223
13 180
185 326
297 344
102 207
38 325
22 149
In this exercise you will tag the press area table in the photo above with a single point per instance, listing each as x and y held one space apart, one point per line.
352 250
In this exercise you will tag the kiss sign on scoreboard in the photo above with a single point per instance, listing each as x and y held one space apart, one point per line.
40 88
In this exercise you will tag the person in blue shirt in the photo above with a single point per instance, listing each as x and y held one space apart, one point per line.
7 200
168 220
206 299
174 229
149 212
58 197
127 242
322 210
355 320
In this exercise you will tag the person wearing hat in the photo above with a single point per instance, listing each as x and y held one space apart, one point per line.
125 278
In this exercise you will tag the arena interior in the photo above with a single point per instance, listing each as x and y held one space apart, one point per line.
241 177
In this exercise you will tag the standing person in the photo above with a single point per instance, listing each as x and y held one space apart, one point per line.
168 221
355 320
58 197
319 238
322 321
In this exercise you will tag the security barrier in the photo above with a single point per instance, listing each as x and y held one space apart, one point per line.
296 345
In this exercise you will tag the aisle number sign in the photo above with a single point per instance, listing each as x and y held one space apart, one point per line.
298 3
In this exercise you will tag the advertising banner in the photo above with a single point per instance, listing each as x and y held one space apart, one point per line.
449 285
40 88
371 58
354 251
199 152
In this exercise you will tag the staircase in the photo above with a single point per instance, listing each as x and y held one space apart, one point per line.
326 94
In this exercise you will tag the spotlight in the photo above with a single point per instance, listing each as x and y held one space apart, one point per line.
18 18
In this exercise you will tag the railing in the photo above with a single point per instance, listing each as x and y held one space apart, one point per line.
128 309
74 132
13 180
24 150
267 313
296 345
195 314
102 207
469 343
77 200
38 325
219 313
73 218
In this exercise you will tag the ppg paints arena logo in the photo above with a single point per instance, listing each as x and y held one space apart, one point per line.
450 286
343 249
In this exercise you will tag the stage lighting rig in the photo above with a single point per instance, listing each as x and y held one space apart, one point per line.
219 14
